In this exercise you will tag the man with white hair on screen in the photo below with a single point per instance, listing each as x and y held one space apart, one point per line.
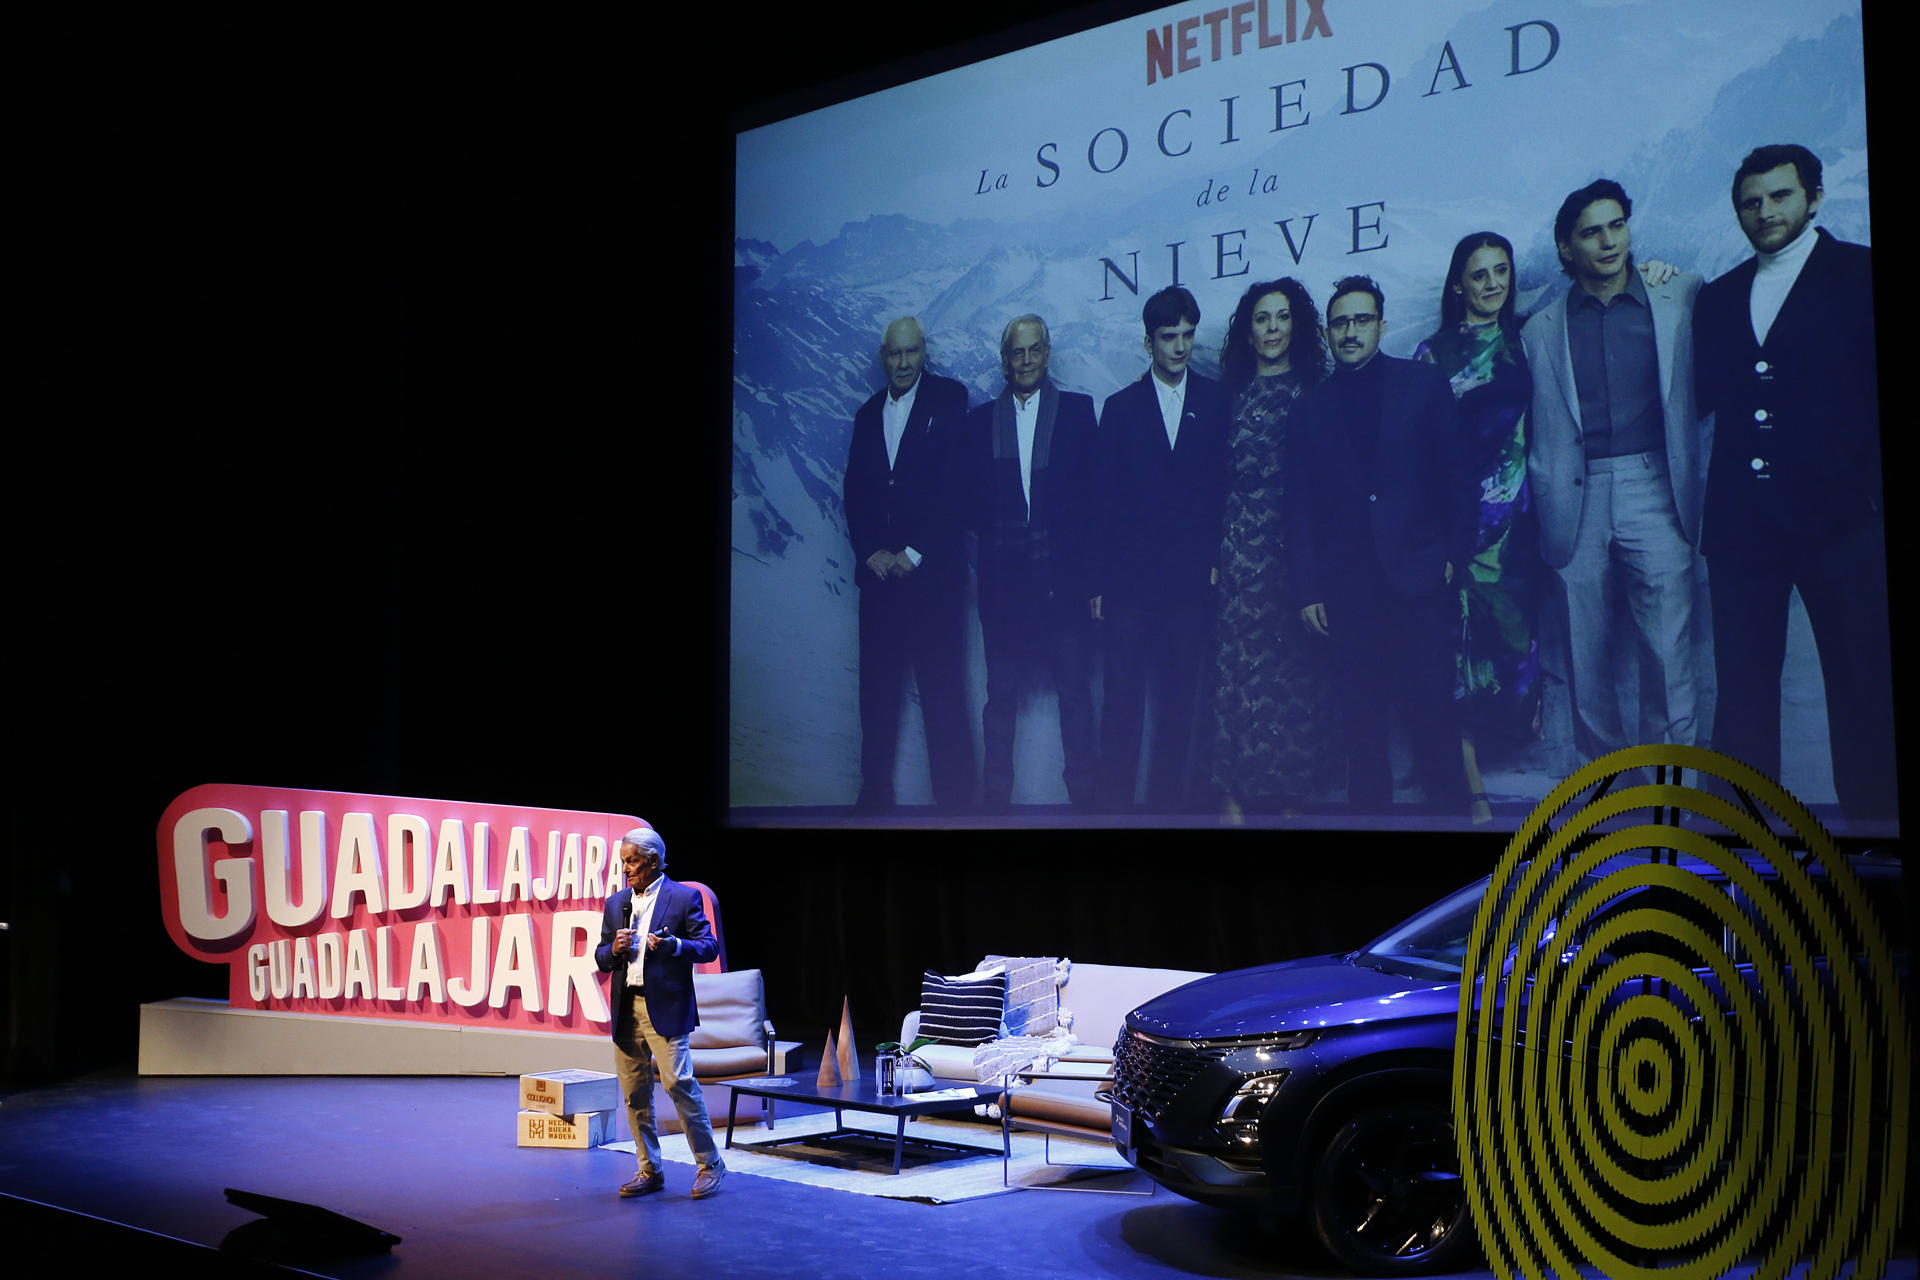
652 934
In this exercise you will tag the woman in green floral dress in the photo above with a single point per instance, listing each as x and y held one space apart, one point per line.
1497 673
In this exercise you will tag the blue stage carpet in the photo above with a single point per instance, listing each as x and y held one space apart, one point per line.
433 1161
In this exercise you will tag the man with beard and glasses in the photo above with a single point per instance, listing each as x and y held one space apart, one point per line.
1381 516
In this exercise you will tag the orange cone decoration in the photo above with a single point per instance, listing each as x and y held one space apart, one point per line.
829 1066
849 1050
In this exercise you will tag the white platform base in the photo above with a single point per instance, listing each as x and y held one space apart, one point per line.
196 1037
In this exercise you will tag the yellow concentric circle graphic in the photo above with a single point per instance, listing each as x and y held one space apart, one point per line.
1682 1044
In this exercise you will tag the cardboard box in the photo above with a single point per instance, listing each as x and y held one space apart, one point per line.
587 1129
570 1092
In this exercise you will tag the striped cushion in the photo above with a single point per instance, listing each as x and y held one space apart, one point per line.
964 1009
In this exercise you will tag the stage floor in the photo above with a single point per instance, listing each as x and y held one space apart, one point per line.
433 1160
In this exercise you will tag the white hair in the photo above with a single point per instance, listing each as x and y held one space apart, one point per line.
649 839
918 332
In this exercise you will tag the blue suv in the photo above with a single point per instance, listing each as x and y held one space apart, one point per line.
1324 1085
1320 1084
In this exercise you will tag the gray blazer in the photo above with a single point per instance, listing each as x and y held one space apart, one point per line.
1556 458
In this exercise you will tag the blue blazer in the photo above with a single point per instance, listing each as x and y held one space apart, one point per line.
668 979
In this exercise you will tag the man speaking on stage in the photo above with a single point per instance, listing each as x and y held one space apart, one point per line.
651 936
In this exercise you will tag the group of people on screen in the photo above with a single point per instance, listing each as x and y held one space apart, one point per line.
1330 545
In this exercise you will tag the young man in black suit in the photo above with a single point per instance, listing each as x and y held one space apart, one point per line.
903 520
1785 359
1164 447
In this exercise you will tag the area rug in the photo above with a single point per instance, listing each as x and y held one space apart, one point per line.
941 1179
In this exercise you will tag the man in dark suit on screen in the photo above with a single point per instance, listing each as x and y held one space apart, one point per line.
903 520
1785 360
1031 498
652 933
1164 443
1381 513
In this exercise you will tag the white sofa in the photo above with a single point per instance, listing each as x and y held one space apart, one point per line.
1099 996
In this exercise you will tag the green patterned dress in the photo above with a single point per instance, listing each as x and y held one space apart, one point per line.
1497 668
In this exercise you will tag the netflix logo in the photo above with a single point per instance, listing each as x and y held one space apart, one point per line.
1175 46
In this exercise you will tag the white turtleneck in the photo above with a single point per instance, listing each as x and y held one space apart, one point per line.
1773 278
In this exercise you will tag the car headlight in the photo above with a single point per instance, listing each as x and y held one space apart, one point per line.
1267 1046
1239 1119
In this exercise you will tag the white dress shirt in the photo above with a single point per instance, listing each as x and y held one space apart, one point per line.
1173 403
1026 420
893 425
893 420
643 901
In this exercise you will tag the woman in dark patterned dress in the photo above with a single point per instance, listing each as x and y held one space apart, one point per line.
1273 713
1497 671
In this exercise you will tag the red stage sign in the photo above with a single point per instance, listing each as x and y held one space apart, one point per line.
383 907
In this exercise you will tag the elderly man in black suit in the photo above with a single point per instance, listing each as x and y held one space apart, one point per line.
1164 444
1785 359
1380 514
1032 498
910 565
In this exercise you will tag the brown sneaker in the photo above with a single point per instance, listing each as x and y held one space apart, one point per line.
645 1184
708 1182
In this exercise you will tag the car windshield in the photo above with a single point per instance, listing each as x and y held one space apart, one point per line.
1431 944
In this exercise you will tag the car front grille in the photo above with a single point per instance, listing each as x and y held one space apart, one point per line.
1148 1072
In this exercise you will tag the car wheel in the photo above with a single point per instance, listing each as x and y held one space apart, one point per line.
1387 1196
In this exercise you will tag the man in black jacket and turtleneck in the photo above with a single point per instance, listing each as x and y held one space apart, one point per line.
1381 516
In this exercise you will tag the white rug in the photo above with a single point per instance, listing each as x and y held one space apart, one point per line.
943 1179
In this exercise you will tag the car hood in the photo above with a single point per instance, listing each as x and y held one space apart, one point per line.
1295 995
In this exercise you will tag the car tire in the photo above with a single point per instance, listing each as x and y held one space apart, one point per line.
1387 1197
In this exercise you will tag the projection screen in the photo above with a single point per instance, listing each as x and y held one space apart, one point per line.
1213 148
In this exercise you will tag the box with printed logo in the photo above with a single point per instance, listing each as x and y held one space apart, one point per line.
569 1092
587 1129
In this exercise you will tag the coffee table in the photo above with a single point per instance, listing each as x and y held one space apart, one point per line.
862 1095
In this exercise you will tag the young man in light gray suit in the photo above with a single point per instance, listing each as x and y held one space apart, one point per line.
1616 457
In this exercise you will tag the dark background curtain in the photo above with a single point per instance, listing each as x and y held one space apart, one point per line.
375 438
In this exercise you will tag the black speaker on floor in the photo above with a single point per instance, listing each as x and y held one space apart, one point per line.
290 1231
